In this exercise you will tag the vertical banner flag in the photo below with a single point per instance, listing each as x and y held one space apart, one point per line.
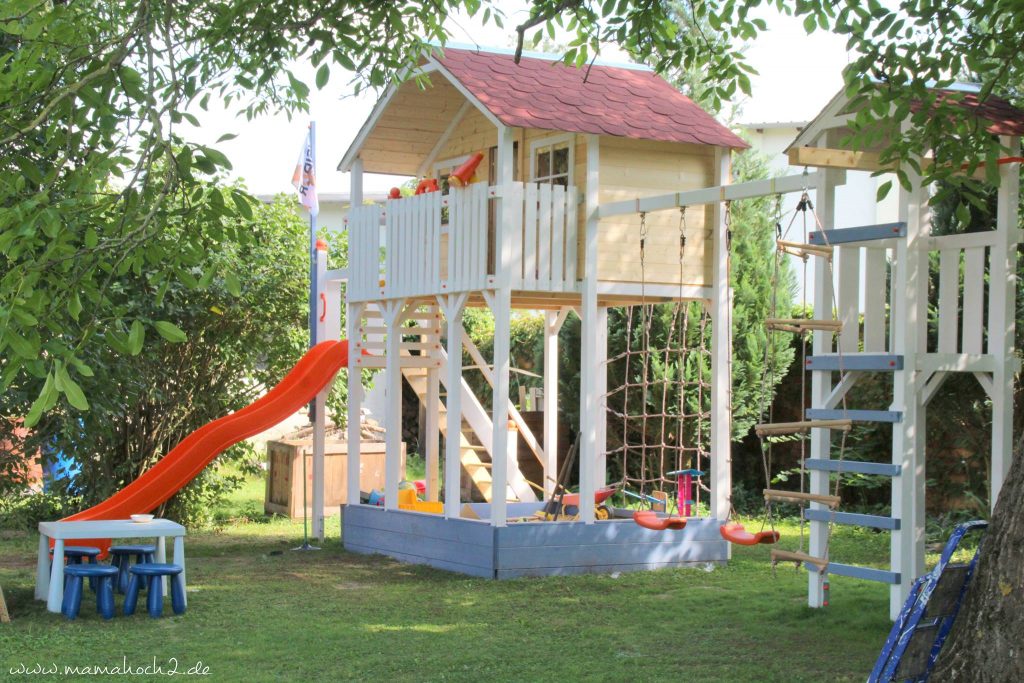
304 177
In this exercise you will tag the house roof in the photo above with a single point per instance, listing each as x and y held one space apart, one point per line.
601 99
1003 118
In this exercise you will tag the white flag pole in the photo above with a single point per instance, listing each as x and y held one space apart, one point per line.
317 407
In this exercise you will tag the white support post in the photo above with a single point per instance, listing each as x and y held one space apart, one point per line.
821 382
501 305
601 389
909 317
553 321
452 306
589 397
433 432
320 401
1001 322
721 351
392 311
353 314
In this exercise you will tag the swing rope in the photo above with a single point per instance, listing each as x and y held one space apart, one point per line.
655 416
803 207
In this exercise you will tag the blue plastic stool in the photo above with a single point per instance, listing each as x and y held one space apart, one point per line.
120 557
78 554
102 574
153 573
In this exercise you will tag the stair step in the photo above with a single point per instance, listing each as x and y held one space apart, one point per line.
789 556
779 428
860 362
800 325
856 466
473 447
866 573
863 233
853 519
804 250
484 465
891 416
798 497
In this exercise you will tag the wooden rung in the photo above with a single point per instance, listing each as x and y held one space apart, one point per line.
789 556
484 465
798 497
804 250
779 428
804 324
473 447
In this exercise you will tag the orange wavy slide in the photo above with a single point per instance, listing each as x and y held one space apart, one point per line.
186 460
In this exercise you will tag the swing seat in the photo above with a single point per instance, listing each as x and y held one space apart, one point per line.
735 533
649 519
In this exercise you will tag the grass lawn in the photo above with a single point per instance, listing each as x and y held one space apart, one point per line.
259 612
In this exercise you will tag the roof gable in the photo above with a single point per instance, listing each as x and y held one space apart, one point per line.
599 99
1001 117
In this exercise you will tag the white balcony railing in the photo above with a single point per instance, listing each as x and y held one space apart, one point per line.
414 252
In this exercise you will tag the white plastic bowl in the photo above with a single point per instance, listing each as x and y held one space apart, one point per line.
142 519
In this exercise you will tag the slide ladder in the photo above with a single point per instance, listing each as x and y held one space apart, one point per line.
927 616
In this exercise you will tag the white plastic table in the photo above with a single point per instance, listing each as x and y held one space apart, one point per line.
50 578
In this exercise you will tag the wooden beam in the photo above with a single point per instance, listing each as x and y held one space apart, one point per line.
453 125
826 157
711 195
836 158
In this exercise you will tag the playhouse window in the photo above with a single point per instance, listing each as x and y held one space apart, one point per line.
551 161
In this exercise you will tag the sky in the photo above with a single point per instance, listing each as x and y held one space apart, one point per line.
798 75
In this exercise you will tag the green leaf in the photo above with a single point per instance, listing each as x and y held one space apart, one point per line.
74 305
136 337
233 285
74 393
21 346
810 23
170 331
322 74
242 204
883 190
47 397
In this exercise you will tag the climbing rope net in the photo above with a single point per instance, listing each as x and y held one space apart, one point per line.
659 409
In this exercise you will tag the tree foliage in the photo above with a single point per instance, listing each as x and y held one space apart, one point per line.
234 337
98 99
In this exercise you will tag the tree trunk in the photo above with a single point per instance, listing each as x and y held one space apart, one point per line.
987 640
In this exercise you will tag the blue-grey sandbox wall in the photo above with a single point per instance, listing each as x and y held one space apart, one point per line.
476 548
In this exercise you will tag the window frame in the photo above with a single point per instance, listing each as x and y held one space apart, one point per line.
569 139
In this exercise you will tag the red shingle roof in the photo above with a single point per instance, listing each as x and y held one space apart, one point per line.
620 101
1004 118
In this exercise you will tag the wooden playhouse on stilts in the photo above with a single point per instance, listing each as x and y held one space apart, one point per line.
602 191
559 145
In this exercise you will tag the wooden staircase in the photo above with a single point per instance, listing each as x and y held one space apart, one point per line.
475 459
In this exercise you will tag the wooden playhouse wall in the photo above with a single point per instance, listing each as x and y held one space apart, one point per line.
642 168
628 169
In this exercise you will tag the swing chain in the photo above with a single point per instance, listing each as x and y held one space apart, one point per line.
728 225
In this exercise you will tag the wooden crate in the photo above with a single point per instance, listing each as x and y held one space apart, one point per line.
284 474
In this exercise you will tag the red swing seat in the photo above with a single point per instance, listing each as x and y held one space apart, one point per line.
649 519
735 533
